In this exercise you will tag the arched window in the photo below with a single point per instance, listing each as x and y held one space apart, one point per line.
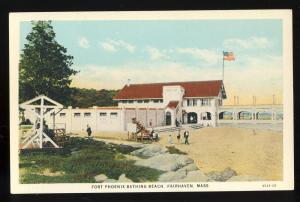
168 118
192 117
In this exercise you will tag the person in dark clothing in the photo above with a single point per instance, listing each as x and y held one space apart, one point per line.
178 137
186 137
89 131
177 123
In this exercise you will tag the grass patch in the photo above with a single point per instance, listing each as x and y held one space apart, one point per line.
80 161
174 150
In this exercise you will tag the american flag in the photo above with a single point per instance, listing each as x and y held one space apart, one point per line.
228 56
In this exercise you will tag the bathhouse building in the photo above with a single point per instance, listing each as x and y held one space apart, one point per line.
152 104
193 102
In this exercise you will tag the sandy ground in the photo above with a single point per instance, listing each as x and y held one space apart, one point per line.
251 153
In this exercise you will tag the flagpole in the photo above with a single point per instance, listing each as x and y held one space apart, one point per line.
223 68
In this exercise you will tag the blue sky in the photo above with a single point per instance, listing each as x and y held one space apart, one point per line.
107 53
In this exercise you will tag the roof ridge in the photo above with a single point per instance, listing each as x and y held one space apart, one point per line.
169 82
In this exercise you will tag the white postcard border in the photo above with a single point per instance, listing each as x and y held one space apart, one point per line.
288 128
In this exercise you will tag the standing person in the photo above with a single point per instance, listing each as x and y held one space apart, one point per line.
170 140
186 137
178 136
89 130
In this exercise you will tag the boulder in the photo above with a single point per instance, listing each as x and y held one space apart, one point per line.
189 167
123 178
221 176
100 178
150 150
172 176
245 178
110 181
195 176
165 162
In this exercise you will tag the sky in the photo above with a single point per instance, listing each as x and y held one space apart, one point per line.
108 53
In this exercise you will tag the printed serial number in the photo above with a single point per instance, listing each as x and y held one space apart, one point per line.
269 185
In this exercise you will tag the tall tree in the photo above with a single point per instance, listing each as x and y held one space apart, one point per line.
45 66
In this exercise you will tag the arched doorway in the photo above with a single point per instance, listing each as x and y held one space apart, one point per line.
192 117
205 116
168 118
225 115
244 115
263 116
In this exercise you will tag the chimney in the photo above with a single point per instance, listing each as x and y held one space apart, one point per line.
128 82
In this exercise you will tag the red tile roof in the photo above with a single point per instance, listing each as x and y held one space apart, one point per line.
172 104
155 90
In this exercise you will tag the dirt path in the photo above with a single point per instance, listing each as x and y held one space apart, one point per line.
251 153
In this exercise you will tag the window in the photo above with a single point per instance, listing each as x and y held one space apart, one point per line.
113 115
220 102
194 102
160 100
124 101
103 114
140 101
77 115
87 114
62 114
155 101
146 101
130 101
205 102
189 103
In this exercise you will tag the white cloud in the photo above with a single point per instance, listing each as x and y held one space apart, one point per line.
116 45
108 47
248 43
156 54
260 76
208 57
83 42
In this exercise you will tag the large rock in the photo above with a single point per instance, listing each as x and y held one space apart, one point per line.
100 178
150 150
245 178
189 167
221 176
123 178
110 181
194 176
165 162
172 176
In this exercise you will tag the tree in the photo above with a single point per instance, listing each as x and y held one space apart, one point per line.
91 97
45 66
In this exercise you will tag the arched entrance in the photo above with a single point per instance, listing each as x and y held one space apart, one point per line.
244 115
192 117
225 115
263 116
205 116
168 118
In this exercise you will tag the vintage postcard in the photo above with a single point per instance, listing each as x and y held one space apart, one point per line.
164 101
